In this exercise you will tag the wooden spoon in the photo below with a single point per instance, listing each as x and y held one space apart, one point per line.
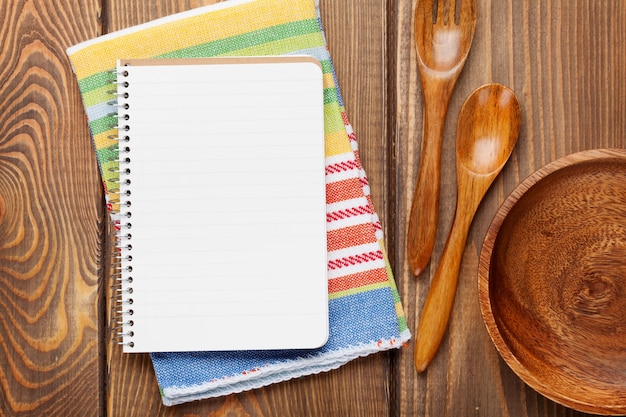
442 44
487 130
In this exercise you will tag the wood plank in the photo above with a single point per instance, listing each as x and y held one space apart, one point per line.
566 61
50 216
361 387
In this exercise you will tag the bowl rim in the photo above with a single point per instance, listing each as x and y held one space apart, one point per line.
483 279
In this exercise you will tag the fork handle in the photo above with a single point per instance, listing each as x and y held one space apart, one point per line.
424 215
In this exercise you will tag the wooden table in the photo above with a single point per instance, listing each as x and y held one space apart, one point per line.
566 60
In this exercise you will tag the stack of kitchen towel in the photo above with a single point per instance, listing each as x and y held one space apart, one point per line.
366 315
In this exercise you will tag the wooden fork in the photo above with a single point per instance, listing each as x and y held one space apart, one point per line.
444 30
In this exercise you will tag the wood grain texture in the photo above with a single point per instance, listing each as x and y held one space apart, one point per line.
565 61
50 216
131 383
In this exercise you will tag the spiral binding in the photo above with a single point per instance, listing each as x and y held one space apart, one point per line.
119 195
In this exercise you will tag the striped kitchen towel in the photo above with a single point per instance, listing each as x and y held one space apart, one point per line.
366 315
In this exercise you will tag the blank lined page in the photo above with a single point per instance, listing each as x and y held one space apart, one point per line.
226 193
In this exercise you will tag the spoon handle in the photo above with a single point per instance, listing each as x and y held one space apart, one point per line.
438 306
424 216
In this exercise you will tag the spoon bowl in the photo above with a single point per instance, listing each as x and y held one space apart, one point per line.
489 134
487 131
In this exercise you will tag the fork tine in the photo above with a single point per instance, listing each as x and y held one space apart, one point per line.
453 12
468 9
426 11
441 13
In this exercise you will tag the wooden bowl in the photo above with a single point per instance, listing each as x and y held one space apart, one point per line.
552 281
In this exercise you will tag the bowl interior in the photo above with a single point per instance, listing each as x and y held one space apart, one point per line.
552 281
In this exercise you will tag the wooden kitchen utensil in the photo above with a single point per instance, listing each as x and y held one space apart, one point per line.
487 131
443 42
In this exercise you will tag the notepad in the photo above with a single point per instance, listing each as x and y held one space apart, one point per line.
222 219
